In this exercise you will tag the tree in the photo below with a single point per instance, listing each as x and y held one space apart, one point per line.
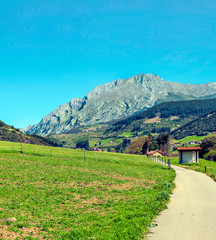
83 144
126 142
211 156
163 142
145 148
165 129
153 146
147 144
208 144
136 145
136 126
118 148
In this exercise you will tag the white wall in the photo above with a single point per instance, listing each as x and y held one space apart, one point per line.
188 156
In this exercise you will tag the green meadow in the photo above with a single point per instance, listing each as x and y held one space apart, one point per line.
192 138
57 193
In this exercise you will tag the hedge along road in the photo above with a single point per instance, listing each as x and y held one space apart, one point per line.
191 213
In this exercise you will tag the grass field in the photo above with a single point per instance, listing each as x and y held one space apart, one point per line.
192 138
126 134
105 196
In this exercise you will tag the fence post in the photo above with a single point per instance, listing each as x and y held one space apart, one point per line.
205 169
21 147
169 165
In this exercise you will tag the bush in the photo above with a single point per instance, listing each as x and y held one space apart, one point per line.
211 156
208 144
2 124
83 144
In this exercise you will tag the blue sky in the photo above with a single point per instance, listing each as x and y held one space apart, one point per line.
52 51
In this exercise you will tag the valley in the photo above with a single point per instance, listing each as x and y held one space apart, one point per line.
107 120
71 182
171 117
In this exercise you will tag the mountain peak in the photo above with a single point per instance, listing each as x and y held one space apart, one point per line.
118 99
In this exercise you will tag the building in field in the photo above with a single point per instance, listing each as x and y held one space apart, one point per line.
188 154
155 153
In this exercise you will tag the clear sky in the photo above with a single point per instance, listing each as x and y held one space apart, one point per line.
54 50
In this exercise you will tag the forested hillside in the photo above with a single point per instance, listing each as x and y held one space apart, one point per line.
11 134
181 108
164 117
200 126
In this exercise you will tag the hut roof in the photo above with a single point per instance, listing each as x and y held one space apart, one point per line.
189 148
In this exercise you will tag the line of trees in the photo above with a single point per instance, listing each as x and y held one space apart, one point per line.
142 145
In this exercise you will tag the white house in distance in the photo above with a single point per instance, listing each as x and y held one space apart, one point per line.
188 154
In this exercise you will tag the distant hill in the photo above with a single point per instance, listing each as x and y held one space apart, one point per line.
116 100
165 115
11 134
200 126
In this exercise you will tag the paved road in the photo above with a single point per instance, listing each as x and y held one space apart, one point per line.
191 213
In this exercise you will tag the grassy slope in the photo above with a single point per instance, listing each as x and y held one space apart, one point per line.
106 196
190 139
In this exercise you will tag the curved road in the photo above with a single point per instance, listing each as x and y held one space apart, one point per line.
191 213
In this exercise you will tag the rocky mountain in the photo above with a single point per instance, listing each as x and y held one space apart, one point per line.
118 99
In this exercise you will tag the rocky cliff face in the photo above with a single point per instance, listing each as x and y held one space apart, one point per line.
118 99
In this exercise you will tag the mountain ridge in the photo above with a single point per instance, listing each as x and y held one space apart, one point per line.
118 99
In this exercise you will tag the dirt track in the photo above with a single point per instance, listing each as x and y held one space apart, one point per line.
191 213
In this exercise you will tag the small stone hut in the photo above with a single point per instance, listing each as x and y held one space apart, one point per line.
188 154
